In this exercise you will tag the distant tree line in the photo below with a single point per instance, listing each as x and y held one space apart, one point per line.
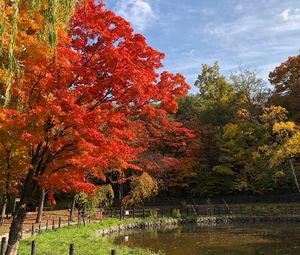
248 136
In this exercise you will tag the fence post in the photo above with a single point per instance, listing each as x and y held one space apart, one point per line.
47 224
78 220
111 213
32 229
33 246
59 222
3 242
113 252
71 249
53 226
68 221
252 211
100 215
40 229
133 213
143 212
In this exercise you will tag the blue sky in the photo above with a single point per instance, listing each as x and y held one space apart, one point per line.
253 34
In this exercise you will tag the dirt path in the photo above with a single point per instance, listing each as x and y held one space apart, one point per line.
47 216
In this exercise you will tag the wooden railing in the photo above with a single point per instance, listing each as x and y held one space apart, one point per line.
204 210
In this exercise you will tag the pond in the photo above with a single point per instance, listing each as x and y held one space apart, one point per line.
229 239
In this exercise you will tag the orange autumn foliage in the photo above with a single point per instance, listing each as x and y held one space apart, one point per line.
81 109
77 115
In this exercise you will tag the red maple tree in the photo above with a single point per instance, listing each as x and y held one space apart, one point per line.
77 114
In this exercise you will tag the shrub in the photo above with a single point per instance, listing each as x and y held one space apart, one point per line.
154 213
176 213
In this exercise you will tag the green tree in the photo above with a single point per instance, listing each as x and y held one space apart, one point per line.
226 114
212 85
207 113
251 90
216 97
238 145
88 203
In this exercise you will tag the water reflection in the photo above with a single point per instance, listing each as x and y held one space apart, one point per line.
261 239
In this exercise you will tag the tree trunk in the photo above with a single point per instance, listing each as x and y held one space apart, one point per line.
41 206
294 174
3 211
121 200
15 232
72 210
100 214
79 217
83 216
5 195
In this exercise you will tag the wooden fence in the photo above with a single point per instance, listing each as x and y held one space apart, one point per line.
206 210
55 223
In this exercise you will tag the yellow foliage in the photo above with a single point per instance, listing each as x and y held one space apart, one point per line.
283 127
288 142
274 114
23 26
142 187
243 114
286 134
231 130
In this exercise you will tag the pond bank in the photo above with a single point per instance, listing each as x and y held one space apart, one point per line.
199 220
91 239
84 238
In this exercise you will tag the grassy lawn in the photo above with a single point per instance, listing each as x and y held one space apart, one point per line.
86 242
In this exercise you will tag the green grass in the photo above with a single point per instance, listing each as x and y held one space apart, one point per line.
86 242
57 242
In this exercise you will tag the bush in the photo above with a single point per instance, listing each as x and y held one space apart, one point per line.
183 204
154 213
264 210
176 213
274 210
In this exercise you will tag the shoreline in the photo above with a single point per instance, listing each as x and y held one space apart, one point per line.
208 220
93 237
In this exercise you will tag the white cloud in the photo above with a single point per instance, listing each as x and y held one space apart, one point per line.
289 14
260 37
139 13
285 14
246 26
251 27
252 33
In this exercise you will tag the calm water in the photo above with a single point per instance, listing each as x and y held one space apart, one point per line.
262 239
